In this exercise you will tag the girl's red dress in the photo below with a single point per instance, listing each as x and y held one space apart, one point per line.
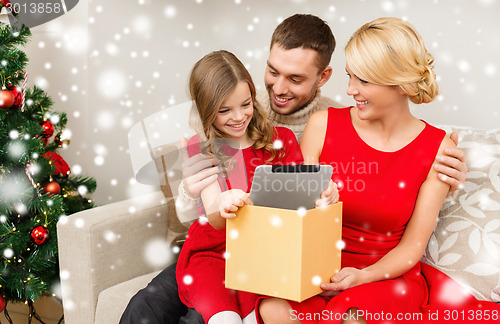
379 190
201 264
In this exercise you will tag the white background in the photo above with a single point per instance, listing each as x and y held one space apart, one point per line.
108 64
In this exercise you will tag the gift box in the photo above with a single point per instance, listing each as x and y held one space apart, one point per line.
283 253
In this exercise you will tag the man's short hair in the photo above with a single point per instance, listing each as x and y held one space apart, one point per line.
309 32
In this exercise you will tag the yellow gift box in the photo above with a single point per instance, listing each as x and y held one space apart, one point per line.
283 253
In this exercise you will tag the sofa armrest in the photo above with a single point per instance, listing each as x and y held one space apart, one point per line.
103 246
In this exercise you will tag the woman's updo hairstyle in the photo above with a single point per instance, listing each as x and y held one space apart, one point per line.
389 51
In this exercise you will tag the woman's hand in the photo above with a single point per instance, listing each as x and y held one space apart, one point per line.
329 196
230 201
344 279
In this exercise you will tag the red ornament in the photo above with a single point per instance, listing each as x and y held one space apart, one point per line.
52 188
3 302
5 2
6 98
18 96
48 131
62 167
39 235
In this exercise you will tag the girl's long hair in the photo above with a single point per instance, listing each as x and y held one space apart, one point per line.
212 79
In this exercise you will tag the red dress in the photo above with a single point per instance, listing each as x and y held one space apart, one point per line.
201 265
379 191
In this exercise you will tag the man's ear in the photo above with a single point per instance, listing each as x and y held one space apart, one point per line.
324 76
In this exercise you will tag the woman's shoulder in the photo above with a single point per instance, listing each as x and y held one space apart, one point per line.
446 143
435 133
319 117
323 115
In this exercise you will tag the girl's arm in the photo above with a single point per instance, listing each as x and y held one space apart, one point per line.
221 205
413 243
210 198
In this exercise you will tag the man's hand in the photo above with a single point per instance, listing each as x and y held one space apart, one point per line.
198 171
452 167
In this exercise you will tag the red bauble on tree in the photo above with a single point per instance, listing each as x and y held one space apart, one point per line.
6 98
3 302
18 96
39 235
52 188
48 131
62 167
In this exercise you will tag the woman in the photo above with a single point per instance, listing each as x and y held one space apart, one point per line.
382 157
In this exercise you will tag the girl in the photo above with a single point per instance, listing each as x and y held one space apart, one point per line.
385 236
224 94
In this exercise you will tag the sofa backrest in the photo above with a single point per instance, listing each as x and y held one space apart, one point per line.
466 241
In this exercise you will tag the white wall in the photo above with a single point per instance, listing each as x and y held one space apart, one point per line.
110 63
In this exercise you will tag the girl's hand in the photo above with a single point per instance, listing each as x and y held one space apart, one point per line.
231 200
344 279
329 196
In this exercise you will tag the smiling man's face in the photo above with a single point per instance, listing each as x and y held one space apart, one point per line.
292 78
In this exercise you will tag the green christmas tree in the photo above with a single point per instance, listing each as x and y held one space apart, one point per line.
36 187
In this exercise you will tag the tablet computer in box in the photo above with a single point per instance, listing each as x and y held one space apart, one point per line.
289 186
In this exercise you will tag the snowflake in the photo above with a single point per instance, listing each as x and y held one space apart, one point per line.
278 144
340 244
302 211
8 253
316 280
233 234
187 280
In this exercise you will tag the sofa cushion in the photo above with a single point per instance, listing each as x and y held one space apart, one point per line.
168 163
112 302
466 241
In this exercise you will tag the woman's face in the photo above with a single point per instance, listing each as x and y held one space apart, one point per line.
373 99
235 114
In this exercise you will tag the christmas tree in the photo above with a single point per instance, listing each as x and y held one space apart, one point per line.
36 187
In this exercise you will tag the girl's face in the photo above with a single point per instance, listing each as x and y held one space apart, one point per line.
235 114
373 99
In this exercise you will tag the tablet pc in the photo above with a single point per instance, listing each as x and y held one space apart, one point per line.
289 186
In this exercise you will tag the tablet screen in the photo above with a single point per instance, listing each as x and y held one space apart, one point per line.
289 186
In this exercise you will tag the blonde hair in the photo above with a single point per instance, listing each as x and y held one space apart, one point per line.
212 79
389 51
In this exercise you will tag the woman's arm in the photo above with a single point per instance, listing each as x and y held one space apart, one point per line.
311 146
413 243
313 138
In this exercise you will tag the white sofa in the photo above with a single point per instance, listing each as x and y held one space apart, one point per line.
104 261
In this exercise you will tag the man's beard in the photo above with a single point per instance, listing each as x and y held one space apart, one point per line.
270 94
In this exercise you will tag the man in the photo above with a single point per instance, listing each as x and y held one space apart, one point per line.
297 67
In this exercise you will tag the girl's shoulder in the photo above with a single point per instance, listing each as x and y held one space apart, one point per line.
194 145
283 133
